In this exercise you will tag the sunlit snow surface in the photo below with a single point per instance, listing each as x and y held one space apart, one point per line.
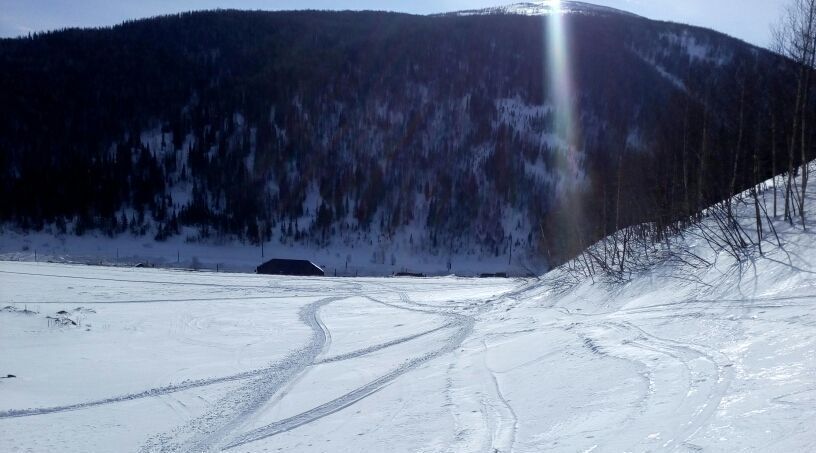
545 7
182 361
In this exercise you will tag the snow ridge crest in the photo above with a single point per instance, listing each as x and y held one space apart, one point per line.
545 7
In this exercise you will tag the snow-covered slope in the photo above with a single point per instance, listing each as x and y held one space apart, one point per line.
545 7
721 358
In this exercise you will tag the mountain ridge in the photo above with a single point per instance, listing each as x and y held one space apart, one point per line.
544 7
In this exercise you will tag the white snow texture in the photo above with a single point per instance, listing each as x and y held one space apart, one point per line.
129 359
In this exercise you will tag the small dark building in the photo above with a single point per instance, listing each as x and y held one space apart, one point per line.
409 274
301 268
496 275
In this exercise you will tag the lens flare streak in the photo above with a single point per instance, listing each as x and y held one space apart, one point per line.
561 85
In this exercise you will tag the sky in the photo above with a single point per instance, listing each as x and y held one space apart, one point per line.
749 20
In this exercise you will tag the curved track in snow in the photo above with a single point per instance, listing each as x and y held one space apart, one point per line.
207 433
685 382
462 326
191 384
348 399
221 428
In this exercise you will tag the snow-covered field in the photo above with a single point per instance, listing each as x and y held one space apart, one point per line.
184 361
721 358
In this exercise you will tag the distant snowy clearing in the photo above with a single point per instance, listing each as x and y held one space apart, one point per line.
182 361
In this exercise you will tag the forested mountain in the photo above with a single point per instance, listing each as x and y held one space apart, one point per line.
337 127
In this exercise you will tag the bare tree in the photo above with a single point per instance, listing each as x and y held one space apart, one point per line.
737 150
755 191
702 157
773 158
795 38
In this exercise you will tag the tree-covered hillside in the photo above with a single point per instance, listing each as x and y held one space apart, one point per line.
320 127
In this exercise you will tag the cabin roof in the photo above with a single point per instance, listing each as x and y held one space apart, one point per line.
280 265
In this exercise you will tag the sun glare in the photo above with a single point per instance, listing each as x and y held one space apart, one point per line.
558 70
560 74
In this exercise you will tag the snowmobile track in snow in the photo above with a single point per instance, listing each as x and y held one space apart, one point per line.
707 375
380 347
463 324
169 389
214 431
207 433
464 327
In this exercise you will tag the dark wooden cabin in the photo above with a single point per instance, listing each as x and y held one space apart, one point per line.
496 275
300 268
409 274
